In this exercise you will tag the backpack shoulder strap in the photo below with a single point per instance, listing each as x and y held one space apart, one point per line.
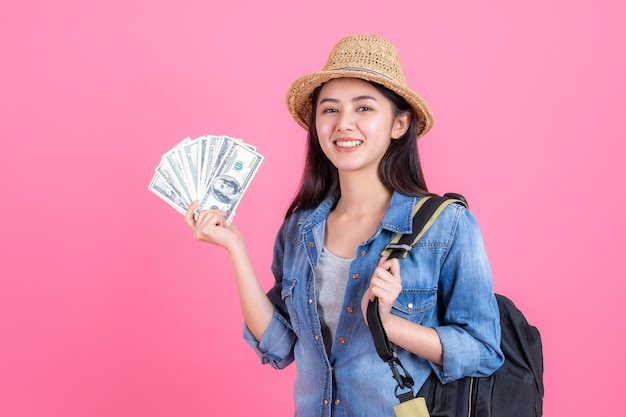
425 213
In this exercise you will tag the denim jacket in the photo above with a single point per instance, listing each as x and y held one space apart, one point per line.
446 285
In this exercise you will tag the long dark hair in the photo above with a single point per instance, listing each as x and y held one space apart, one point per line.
400 169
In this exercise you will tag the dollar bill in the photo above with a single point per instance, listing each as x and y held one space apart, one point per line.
190 150
235 171
173 163
162 188
217 149
201 154
165 174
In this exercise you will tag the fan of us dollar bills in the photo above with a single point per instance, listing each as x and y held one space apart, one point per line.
215 170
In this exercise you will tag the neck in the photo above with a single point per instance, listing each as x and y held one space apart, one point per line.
363 197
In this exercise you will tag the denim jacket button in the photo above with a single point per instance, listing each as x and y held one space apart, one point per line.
410 305
363 252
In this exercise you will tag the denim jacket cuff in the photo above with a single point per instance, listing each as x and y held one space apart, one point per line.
276 345
461 356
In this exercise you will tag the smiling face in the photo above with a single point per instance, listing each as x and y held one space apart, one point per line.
355 124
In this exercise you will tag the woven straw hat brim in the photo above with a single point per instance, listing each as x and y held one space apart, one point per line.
299 95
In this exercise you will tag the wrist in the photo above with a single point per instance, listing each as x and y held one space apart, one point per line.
236 247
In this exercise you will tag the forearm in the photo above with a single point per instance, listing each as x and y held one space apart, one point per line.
256 307
420 340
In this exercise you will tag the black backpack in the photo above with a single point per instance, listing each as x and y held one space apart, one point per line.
514 390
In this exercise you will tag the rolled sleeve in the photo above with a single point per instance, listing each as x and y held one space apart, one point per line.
460 351
276 345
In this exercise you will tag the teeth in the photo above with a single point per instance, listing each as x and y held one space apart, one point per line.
349 144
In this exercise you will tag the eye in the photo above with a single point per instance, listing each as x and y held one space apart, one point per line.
329 110
364 108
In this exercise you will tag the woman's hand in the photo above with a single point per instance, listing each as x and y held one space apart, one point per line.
210 226
385 285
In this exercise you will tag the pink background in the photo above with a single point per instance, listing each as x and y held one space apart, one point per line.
108 307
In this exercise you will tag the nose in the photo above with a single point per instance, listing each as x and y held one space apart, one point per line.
345 122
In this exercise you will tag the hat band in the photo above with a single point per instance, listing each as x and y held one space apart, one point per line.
359 69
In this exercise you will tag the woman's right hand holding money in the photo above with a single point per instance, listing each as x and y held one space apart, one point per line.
210 226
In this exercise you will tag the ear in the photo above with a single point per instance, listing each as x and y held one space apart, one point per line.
400 125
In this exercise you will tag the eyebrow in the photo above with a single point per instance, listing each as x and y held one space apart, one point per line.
358 98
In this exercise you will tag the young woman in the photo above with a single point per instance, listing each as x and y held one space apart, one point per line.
361 181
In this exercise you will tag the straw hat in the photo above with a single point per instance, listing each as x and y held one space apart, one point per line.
368 57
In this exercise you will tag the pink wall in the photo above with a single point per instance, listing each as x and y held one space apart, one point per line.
108 307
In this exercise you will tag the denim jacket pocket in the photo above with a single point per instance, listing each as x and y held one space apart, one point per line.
286 294
413 302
